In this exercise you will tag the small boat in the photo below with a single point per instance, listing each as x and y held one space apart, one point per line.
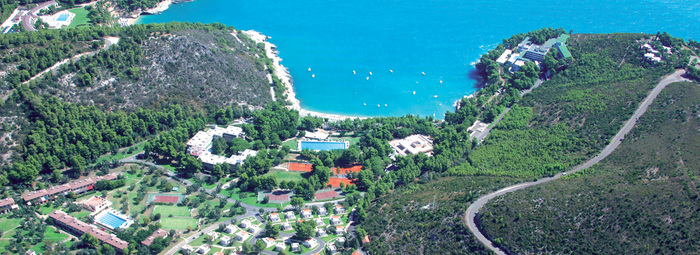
435 96
368 78
379 106
421 72
313 75
353 72
414 92
385 105
365 103
309 69
440 81
370 73
392 71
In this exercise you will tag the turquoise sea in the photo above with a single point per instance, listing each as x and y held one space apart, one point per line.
442 38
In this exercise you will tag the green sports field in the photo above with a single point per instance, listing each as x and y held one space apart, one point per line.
286 176
80 17
178 223
166 210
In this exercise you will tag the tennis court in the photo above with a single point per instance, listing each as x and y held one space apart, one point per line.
164 198
278 198
178 223
166 210
301 167
326 195
335 182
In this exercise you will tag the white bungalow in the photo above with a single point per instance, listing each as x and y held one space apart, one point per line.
286 226
322 211
268 241
319 222
187 248
331 248
310 243
274 217
335 220
245 223
280 246
225 241
230 229
296 247
242 236
338 209
306 213
253 229
289 215
321 232
203 249
339 230
340 240
213 235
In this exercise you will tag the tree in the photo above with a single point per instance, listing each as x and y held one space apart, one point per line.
90 241
297 201
272 230
305 229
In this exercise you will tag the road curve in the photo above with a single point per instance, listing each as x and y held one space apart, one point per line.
473 209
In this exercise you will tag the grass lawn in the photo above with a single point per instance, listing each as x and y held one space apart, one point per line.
44 209
7 223
80 214
121 154
293 144
197 242
49 235
80 17
178 223
252 199
286 176
166 210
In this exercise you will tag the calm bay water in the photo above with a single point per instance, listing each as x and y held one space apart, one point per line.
442 38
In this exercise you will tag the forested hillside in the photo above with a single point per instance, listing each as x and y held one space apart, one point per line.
157 77
642 199
569 118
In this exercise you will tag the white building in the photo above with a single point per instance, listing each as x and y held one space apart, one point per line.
268 241
253 229
245 223
340 240
225 241
319 222
242 236
230 229
280 246
286 226
331 248
187 248
274 217
335 220
321 232
296 247
306 213
213 235
338 209
289 215
504 57
322 211
413 144
203 249
339 230
310 243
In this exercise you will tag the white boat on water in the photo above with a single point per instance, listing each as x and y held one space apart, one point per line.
370 73
313 75
368 78
414 92
423 73
309 69
435 96
353 72
392 71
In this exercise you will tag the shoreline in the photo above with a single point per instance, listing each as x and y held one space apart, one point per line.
283 74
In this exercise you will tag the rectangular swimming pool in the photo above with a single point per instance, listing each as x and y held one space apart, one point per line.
62 17
112 220
322 146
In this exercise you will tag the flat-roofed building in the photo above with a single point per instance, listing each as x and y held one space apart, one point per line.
322 211
306 213
338 209
504 57
413 144
96 204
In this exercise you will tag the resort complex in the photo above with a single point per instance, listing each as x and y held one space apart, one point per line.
529 51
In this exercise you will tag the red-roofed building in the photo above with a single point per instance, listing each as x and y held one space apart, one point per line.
96 204
79 186
6 204
39 195
156 234
79 228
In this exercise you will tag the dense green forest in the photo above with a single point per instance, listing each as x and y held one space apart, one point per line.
642 199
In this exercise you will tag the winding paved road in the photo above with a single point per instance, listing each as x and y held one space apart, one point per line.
473 209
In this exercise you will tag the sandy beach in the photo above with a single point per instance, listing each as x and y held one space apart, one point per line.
283 74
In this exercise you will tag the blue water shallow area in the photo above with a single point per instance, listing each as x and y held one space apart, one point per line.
112 220
322 146
441 38
62 17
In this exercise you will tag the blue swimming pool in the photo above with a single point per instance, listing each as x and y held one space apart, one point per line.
62 17
323 146
111 220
